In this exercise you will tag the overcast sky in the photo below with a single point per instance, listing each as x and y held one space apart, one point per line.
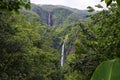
79 4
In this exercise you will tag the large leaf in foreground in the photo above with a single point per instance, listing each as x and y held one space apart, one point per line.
108 70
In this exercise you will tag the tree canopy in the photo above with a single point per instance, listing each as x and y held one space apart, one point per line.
15 5
30 49
108 2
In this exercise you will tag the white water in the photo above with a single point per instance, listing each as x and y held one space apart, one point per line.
63 54
49 19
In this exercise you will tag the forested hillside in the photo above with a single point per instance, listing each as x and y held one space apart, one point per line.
59 14
75 47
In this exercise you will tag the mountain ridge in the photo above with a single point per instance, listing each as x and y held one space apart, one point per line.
59 14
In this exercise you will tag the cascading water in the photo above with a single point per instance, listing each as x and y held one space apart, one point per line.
49 19
63 53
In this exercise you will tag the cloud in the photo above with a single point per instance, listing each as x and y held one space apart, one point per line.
81 4
54 2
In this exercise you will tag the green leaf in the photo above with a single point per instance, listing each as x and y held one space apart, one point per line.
98 6
118 2
108 70
90 9
108 2
102 0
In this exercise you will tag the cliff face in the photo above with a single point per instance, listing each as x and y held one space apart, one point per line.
58 15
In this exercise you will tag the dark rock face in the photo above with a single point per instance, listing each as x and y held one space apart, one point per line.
72 49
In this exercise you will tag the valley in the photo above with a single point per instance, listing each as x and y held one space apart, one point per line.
55 42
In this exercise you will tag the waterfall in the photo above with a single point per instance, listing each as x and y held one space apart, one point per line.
49 19
63 53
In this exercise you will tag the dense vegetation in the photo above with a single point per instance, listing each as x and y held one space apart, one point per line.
31 50
97 42
26 51
60 14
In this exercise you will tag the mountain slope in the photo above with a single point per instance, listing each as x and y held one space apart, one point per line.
56 15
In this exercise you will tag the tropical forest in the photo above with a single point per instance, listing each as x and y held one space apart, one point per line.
57 42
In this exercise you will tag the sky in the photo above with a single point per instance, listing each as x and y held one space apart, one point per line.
79 4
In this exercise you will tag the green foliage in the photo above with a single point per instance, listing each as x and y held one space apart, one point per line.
96 41
60 14
90 9
118 2
108 70
108 2
26 51
13 5
108 32
73 76
98 6
30 51
14 47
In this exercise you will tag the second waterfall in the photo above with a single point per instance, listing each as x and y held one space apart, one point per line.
63 53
